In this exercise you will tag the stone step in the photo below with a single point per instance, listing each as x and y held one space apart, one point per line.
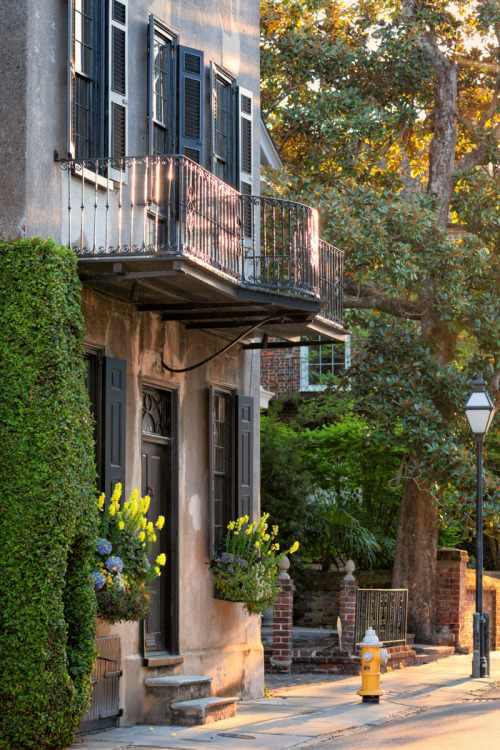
162 691
202 711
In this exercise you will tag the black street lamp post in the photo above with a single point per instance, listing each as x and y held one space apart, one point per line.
480 411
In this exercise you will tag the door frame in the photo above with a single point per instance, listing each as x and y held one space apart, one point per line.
171 577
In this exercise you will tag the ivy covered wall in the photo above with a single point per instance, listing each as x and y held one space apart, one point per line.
47 507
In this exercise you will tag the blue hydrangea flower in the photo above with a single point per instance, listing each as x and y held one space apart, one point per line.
146 566
99 580
227 557
104 547
114 564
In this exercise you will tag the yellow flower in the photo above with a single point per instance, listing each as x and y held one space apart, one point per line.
149 527
257 544
121 525
133 507
275 530
157 570
147 500
245 519
153 538
142 536
134 495
112 510
161 559
294 547
100 502
160 522
141 505
249 531
266 537
230 526
236 533
276 546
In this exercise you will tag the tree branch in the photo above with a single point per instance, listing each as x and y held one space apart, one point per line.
363 297
492 69
479 155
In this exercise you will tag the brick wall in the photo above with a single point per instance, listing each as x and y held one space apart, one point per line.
282 656
456 598
347 612
491 604
280 370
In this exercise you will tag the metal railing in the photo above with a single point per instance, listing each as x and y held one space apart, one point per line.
170 206
384 610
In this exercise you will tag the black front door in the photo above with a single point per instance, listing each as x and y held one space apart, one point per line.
158 478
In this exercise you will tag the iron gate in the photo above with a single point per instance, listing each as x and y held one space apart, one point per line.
385 611
104 708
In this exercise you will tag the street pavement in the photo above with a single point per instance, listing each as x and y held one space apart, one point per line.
327 713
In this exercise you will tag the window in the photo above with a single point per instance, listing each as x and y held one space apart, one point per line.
223 125
106 385
97 84
162 91
223 498
321 360
231 459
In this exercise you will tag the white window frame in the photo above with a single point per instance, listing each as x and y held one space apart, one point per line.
305 364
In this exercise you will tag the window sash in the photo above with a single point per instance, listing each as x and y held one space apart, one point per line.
321 360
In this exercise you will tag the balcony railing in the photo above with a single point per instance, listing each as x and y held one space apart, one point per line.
169 206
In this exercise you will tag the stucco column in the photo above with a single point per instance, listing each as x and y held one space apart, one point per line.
283 621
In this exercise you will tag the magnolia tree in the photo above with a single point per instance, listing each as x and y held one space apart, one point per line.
386 115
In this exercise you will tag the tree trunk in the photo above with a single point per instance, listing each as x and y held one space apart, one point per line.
415 559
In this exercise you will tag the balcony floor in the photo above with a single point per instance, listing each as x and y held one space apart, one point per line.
180 289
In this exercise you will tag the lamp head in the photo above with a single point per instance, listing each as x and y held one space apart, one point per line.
479 408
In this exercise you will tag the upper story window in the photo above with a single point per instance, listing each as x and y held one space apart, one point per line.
318 362
223 125
162 90
97 83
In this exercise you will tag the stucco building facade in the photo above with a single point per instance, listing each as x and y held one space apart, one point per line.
130 132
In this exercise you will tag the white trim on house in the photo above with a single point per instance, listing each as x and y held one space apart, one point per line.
305 385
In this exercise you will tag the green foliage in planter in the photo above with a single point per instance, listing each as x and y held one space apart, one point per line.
47 507
116 604
122 571
245 569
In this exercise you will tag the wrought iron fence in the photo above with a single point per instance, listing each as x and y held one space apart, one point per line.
284 254
385 611
331 272
170 206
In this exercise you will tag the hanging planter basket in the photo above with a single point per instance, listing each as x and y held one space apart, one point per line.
115 604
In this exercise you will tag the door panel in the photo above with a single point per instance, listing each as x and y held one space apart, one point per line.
154 480
104 710
158 481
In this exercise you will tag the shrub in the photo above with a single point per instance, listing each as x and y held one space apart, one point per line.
47 508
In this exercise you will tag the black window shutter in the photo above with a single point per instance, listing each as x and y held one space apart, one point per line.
115 391
70 84
118 93
245 415
191 99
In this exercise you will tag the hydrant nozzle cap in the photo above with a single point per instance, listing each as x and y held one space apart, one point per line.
371 638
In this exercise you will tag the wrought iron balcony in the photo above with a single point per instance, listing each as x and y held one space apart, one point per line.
159 207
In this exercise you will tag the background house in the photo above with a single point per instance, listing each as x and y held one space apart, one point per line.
133 137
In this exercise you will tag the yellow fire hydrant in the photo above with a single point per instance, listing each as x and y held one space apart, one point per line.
372 656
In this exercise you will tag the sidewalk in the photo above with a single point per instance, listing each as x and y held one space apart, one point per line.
308 713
